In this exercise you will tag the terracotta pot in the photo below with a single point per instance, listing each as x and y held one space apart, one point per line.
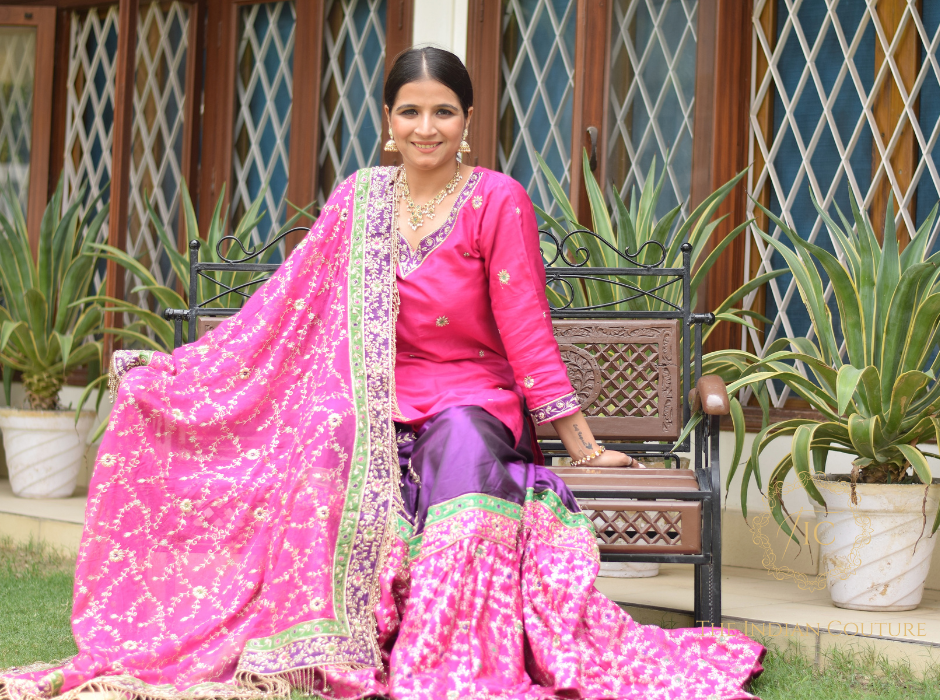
868 550
44 450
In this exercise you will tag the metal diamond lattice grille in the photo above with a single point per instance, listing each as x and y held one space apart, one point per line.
843 95
89 115
536 92
630 380
17 72
629 527
159 95
351 99
652 96
263 97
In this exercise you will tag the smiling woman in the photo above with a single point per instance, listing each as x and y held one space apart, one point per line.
365 512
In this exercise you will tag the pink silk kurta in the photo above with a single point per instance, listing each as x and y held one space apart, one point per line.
474 327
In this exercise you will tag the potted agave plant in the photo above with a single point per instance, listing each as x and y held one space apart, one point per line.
45 335
634 233
877 401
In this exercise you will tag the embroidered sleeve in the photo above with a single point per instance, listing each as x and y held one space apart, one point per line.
509 242
559 408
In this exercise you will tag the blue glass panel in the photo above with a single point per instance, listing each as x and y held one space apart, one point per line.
808 116
536 90
651 96
927 194
351 99
263 111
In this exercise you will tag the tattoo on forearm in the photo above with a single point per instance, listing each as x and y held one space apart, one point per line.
588 446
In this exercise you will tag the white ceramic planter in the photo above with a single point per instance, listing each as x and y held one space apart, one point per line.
628 569
44 450
867 550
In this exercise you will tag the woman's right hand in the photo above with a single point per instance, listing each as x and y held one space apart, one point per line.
613 458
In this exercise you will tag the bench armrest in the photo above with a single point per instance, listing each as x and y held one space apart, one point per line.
710 395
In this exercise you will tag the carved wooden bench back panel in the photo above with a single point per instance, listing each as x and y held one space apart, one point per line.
626 374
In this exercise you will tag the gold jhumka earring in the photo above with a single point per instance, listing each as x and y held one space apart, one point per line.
464 146
391 146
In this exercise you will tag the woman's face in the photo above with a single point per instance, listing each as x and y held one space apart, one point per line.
427 124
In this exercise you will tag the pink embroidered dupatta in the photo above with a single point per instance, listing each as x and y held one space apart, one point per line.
242 497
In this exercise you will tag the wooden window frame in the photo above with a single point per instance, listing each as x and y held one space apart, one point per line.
721 93
719 151
484 42
304 149
44 20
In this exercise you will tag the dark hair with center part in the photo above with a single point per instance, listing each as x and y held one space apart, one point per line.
429 62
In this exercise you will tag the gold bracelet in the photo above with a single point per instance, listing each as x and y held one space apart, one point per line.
578 462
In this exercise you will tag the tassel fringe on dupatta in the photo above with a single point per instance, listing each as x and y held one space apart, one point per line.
238 516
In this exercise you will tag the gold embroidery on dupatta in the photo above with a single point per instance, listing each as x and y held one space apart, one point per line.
373 497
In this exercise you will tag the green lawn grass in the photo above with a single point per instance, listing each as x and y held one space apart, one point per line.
36 601
35 605
847 674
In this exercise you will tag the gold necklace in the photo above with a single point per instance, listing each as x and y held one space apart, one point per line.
418 212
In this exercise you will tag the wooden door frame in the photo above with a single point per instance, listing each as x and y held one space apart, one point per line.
720 144
44 20
399 27
484 38
591 67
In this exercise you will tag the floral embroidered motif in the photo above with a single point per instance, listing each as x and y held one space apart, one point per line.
466 255
122 362
345 274
200 592
503 276
441 321
253 454
299 304
545 561
186 506
518 211
323 512
528 382
410 260
317 604
334 420
244 373
107 460
558 408
482 353
129 645
477 202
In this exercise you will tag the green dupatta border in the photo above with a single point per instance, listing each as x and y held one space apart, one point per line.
348 641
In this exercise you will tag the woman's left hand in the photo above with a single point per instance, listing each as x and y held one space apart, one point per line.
612 458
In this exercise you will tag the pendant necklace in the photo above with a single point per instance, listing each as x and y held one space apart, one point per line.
419 212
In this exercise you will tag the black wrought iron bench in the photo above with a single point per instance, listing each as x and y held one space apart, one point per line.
638 374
